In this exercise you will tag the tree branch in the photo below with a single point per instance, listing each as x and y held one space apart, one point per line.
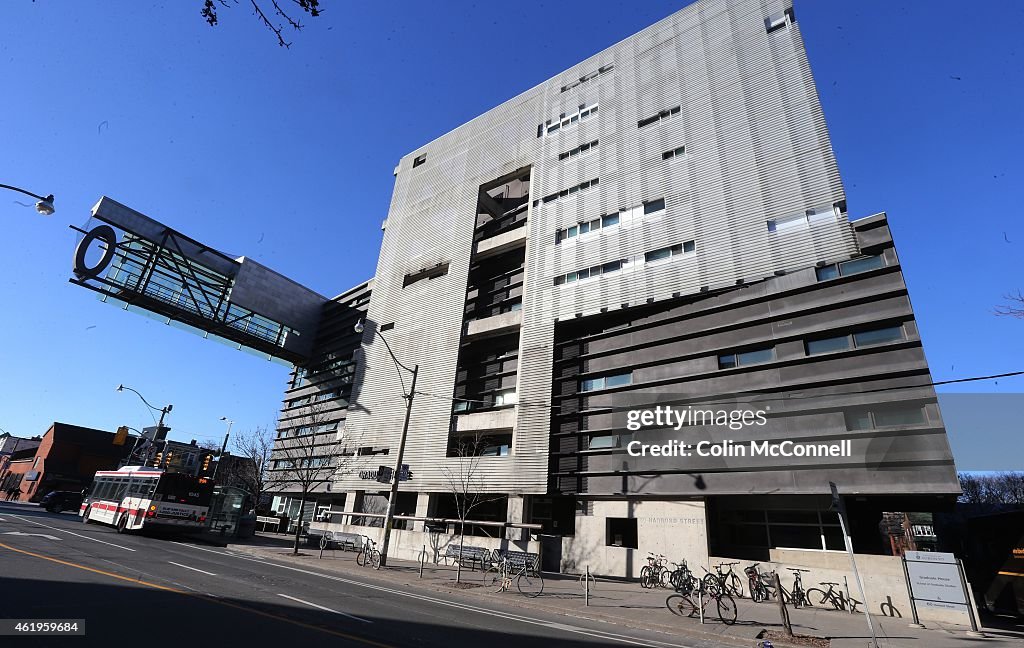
1012 309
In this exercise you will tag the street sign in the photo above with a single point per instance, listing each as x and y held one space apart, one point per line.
155 432
384 474
404 474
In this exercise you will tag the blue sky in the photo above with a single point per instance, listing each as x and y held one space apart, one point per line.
287 156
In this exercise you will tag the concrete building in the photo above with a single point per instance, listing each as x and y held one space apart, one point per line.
661 224
660 229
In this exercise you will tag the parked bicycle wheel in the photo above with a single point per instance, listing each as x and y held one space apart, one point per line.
757 592
733 585
645 576
361 558
492 576
530 585
711 584
680 605
799 598
665 578
726 609
375 559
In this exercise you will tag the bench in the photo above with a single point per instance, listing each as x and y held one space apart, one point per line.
519 559
332 540
471 555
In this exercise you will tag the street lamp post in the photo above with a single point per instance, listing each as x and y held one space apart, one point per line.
163 412
45 204
389 518
224 447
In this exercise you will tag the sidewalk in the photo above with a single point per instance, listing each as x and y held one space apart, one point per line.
629 605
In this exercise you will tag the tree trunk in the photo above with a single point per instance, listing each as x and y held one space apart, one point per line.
298 524
783 612
462 543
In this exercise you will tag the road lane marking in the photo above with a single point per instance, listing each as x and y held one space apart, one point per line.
601 634
38 535
202 597
192 568
325 609
72 533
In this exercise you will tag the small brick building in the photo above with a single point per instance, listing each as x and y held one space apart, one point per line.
66 459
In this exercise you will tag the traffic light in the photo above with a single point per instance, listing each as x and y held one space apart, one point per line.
158 459
121 436
170 455
206 462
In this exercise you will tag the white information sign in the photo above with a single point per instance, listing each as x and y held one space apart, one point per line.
935 579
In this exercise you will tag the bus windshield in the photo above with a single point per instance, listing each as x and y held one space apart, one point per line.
184 489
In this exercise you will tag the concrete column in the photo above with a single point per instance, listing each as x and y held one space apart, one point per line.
352 499
516 513
422 509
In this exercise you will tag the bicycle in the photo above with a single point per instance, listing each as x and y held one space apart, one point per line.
650 575
726 581
759 583
684 604
528 581
798 596
838 600
368 555
681 578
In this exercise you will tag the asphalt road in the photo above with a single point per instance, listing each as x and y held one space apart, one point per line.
131 588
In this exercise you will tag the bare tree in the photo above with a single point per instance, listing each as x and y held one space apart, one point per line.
269 13
1001 488
308 455
256 447
465 483
1014 306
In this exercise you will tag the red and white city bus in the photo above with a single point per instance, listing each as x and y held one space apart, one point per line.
135 497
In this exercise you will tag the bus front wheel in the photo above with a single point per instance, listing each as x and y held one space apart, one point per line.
122 524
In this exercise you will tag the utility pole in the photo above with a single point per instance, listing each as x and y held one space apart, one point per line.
389 519
223 448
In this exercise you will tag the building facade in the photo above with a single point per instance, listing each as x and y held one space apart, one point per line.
662 224
66 459
313 414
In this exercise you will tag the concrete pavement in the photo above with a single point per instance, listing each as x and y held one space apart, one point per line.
162 592
627 605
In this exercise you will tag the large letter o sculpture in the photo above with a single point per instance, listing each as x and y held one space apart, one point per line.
104 234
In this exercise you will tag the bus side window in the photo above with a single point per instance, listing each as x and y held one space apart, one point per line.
100 489
119 489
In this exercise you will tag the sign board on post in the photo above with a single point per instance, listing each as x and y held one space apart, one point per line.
384 474
935 580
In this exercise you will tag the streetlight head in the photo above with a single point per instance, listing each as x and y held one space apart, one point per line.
359 327
45 206
120 388
169 408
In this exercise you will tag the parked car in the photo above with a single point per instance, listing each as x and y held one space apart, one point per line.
57 501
